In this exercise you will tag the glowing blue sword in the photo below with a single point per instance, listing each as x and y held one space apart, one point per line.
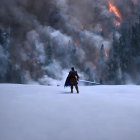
90 82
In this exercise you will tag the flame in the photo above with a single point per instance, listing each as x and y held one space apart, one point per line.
117 23
113 8
106 53
101 29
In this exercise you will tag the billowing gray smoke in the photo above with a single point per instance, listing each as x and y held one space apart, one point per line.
48 36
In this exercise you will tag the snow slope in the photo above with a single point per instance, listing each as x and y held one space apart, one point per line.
32 112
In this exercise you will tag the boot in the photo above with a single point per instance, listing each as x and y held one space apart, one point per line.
77 89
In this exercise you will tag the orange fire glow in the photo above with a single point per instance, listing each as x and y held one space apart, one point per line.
113 8
106 54
117 23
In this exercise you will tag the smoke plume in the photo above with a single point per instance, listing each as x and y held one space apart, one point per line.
49 36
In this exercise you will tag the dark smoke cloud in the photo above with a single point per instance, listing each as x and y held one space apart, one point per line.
64 31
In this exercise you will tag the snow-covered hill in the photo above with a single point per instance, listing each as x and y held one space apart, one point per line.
30 112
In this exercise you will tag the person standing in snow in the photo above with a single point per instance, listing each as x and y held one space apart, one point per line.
73 78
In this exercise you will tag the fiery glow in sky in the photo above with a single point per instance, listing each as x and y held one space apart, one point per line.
117 23
113 8
106 53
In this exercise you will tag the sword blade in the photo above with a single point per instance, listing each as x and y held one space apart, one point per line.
90 82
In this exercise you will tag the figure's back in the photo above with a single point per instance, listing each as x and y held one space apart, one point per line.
72 74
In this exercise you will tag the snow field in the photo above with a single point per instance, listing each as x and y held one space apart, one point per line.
33 112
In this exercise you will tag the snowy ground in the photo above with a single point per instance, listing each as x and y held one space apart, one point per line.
31 112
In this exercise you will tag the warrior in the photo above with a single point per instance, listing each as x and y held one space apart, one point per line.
73 79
